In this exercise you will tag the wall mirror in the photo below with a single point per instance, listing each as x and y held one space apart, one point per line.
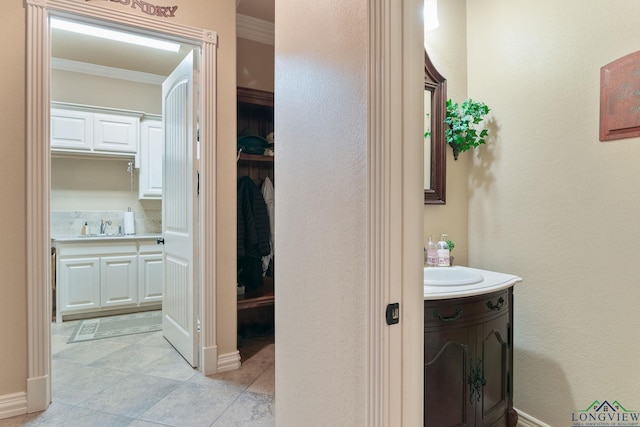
435 100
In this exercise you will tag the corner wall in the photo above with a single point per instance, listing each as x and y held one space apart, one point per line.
551 203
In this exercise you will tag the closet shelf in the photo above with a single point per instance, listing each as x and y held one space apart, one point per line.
255 158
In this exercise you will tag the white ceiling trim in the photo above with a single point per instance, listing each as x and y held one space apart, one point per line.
255 29
103 71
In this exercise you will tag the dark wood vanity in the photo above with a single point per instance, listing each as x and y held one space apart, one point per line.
468 361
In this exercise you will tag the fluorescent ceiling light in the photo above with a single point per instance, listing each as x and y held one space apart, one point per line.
104 33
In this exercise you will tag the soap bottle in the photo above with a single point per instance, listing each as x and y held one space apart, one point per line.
443 251
85 229
432 253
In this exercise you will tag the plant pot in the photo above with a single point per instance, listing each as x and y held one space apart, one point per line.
450 261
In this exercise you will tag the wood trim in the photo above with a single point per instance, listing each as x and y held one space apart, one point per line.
255 96
437 85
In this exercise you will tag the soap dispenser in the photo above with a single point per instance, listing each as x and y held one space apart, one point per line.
85 229
443 251
432 253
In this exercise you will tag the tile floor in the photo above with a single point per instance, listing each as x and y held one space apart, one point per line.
141 381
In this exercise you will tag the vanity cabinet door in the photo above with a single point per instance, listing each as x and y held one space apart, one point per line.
493 358
447 355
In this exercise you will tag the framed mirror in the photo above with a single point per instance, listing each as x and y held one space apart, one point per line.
435 99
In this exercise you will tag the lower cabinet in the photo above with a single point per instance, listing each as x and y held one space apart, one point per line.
98 276
468 361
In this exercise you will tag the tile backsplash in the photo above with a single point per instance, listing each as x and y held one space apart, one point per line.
69 223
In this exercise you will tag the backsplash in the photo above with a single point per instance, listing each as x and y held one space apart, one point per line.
69 223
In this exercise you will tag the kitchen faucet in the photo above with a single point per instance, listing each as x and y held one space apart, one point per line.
103 226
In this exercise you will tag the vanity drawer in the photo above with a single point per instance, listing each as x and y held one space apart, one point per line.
439 313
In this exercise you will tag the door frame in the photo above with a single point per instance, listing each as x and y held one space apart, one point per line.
38 56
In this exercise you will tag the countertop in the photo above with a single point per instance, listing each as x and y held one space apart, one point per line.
493 281
104 238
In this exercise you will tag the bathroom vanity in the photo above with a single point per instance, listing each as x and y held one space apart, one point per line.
468 348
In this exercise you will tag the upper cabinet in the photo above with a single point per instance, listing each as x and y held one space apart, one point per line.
94 130
151 157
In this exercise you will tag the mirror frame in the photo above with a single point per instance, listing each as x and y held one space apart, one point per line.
435 83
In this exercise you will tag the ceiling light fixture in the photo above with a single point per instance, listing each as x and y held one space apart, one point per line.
105 33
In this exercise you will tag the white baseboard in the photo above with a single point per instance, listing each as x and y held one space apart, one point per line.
13 404
229 361
526 420
209 362
38 393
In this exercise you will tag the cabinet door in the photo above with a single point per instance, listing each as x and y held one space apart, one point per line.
118 281
447 354
115 133
71 129
150 278
79 287
151 159
493 347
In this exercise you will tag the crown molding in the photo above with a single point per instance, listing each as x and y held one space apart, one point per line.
103 71
255 29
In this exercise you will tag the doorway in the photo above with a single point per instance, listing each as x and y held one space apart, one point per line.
38 167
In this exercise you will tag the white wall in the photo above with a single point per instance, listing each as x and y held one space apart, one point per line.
321 123
551 203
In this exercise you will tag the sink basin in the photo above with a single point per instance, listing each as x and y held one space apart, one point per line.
451 276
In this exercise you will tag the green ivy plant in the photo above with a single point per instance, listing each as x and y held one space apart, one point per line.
461 133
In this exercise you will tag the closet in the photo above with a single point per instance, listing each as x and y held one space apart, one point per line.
255 117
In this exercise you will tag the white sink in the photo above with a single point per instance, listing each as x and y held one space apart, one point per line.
451 276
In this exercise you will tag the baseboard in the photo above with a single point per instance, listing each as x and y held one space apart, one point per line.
229 361
209 361
38 393
13 404
526 420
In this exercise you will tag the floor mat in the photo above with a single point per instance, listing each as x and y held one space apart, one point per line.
115 326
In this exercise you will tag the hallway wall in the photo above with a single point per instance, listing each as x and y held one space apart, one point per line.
554 205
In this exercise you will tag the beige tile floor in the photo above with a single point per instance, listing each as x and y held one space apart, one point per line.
141 381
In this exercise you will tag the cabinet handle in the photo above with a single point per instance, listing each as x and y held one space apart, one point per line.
497 306
456 316
476 380
160 240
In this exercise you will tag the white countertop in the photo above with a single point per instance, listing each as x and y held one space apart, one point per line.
493 281
105 238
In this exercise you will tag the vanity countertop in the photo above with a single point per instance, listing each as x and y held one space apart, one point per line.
104 238
491 281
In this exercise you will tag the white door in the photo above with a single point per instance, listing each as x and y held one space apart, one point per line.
179 211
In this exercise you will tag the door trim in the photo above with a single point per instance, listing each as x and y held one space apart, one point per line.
38 57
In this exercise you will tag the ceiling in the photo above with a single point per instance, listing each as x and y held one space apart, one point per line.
86 49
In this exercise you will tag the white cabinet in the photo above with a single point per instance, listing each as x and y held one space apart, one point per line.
71 129
118 280
94 130
78 284
101 275
151 158
115 133
150 272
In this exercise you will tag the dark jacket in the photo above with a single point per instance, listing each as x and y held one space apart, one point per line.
253 233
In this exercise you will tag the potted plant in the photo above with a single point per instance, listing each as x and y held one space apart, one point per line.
461 133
